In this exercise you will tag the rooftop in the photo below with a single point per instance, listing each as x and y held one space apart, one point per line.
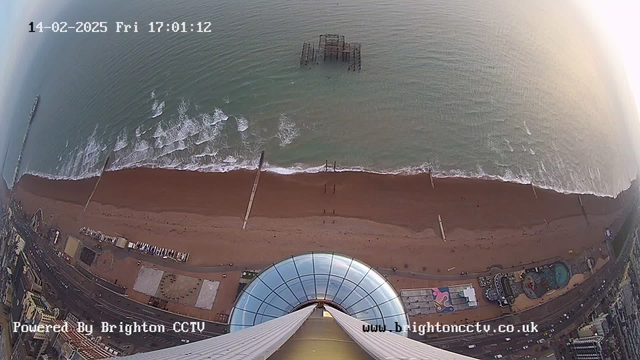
348 284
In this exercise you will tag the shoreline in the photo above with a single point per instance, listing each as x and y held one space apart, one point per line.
407 201
297 170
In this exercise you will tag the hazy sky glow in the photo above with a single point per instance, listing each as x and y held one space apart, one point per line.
618 19
11 43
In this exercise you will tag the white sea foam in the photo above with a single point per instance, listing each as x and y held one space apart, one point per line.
157 109
141 146
206 153
526 128
198 143
491 144
243 123
508 144
121 142
231 163
287 130
208 134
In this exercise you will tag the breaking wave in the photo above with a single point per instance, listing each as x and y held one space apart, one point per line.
232 163
194 140
243 124
287 130
157 108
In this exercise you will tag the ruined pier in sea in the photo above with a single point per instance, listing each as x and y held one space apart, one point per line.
332 47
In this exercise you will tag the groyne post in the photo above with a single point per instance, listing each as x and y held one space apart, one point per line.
442 228
431 179
584 212
253 191
96 185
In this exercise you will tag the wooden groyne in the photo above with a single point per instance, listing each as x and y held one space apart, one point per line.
97 183
253 191
308 54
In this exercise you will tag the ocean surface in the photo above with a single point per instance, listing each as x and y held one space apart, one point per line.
520 91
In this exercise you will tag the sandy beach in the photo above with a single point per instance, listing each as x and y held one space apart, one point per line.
384 220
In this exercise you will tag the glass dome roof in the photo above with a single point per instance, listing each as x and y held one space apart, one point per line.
342 281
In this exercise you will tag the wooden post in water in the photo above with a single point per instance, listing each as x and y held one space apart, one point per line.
334 166
96 186
253 191
534 190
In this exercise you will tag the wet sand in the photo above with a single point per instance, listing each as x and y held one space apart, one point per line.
401 200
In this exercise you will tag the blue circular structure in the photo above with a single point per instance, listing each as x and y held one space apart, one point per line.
343 282
562 274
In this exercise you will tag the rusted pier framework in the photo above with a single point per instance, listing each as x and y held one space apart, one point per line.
308 54
332 47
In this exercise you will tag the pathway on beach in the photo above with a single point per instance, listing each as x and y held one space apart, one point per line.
122 254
